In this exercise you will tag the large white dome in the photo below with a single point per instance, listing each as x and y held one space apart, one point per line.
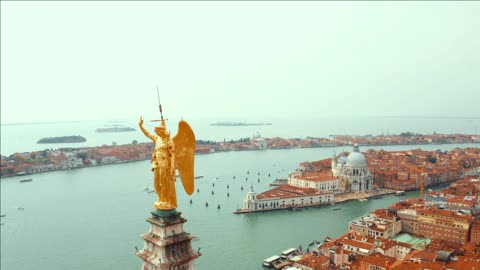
356 159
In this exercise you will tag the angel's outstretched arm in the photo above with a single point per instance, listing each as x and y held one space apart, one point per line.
140 124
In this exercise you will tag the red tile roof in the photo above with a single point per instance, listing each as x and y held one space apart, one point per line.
288 191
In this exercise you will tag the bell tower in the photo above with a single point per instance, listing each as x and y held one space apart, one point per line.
166 244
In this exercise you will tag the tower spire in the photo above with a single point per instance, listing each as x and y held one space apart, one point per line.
160 106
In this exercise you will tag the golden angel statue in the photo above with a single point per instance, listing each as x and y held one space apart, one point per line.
169 155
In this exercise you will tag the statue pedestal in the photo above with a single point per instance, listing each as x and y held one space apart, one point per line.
167 245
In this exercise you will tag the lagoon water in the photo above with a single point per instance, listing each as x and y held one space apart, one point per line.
23 137
91 218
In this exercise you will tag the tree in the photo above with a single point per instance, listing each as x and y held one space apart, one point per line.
431 159
134 142
114 143
82 155
44 153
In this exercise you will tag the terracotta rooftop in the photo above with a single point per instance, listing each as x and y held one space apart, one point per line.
313 261
358 244
288 191
317 176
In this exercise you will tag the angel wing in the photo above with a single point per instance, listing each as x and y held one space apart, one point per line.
185 155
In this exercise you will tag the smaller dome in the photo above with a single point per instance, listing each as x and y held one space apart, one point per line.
356 159
342 159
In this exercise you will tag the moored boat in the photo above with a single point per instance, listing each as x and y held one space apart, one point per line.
270 261
148 190
26 180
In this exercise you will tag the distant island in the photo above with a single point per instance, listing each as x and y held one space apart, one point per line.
235 124
115 128
63 139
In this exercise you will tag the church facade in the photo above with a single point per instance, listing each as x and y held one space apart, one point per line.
352 171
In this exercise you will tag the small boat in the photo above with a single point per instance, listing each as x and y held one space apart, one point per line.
336 208
198 177
148 190
363 199
20 208
399 193
26 180
218 207
311 244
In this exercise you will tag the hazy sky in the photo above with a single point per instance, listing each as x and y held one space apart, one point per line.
102 60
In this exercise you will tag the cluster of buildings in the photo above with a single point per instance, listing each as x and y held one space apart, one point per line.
406 138
406 170
326 181
67 158
259 143
423 233
315 184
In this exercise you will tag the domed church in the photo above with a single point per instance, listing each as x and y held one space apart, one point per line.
352 171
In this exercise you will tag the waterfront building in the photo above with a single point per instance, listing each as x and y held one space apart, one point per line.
261 143
444 224
352 171
41 168
285 196
109 160
324 181
71 161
